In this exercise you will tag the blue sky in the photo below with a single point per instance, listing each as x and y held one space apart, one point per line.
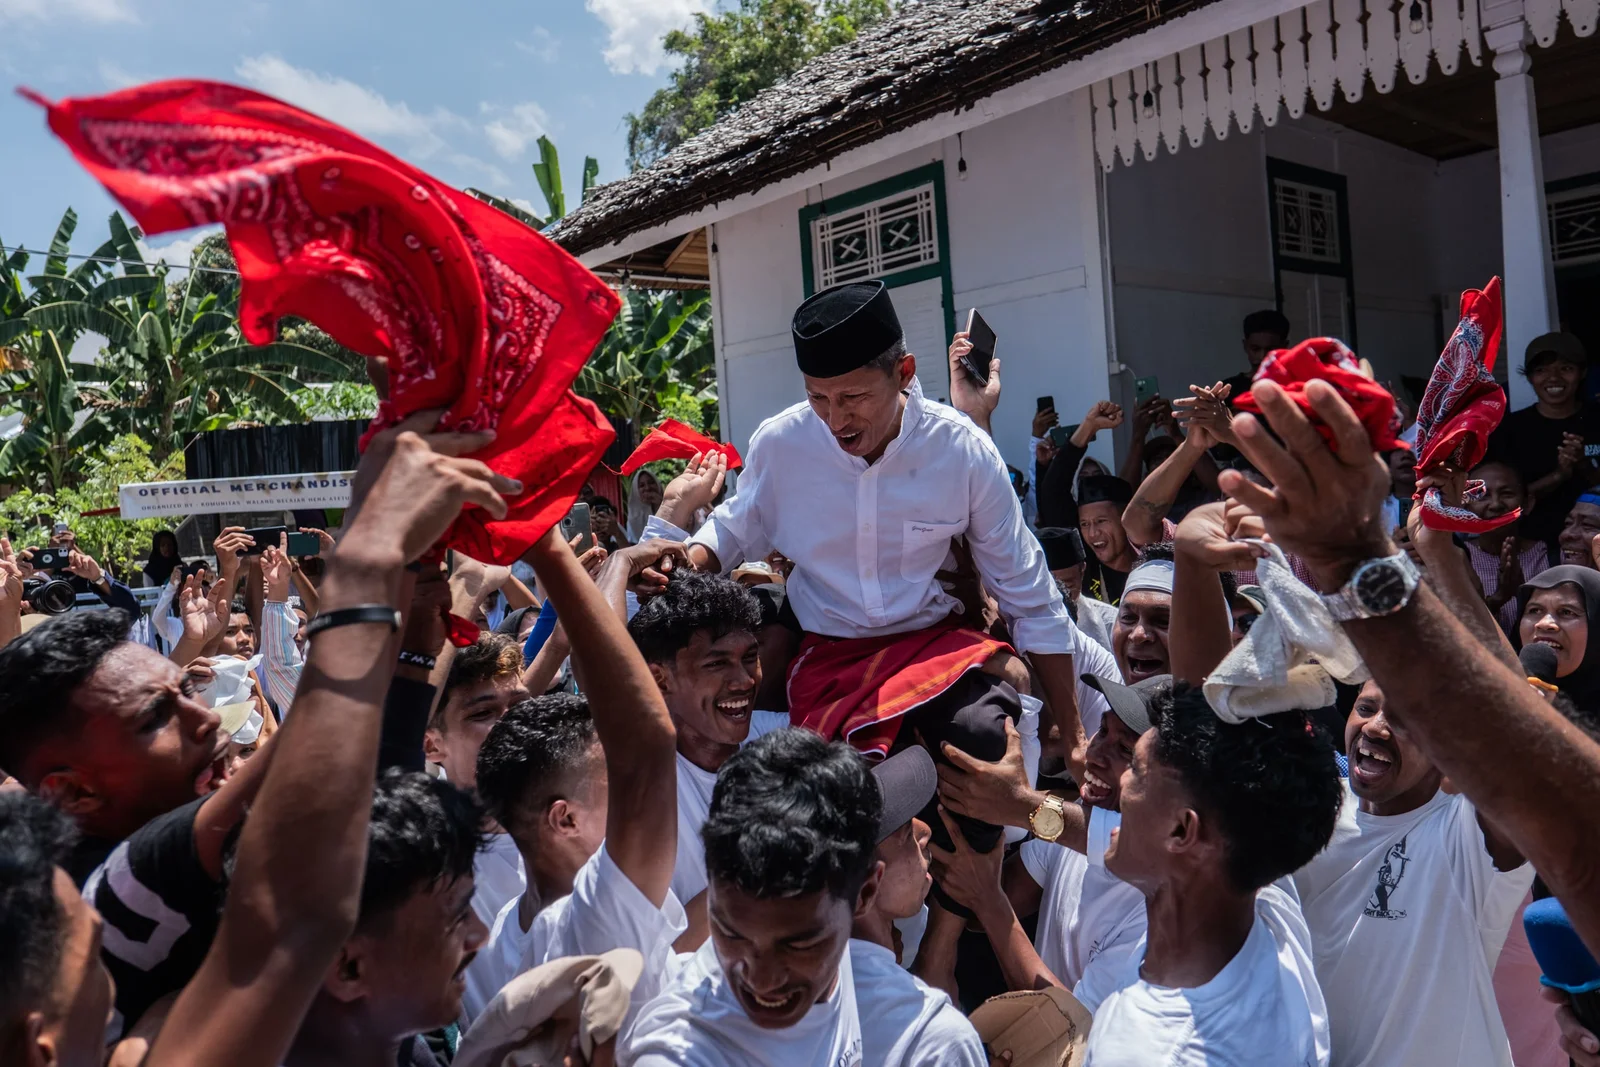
463 90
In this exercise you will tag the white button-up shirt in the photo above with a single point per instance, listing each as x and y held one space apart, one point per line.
866 541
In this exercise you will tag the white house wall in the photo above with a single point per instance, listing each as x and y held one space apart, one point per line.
1022 246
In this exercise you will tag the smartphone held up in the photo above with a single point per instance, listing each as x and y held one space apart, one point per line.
981 355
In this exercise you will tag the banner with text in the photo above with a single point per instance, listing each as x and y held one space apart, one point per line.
209 496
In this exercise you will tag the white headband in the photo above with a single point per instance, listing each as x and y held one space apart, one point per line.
1153 575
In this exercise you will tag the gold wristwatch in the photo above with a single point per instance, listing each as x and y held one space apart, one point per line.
1049 818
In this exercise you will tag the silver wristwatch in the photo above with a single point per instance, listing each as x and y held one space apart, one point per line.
1378 587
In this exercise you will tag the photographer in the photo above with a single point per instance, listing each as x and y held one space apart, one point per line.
64 562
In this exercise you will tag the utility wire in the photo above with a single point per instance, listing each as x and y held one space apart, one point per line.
112 259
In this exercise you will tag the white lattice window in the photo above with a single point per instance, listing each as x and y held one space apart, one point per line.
1574 226
884 237
1308 221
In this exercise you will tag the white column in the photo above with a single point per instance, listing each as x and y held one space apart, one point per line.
1529 276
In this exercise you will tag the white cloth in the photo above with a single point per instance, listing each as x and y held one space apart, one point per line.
498 883
231 682
697 1022
605 910
694 805
1086 912
1407 916
1096 619
1272 669
638 513
1263 1007
904 1021
1090 658
867 540
496 963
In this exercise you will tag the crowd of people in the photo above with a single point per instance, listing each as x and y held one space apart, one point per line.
896 754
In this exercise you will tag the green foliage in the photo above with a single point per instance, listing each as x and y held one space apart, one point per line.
28 514
730 56
656 356
547 175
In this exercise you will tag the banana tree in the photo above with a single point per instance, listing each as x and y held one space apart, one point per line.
547 172
658 347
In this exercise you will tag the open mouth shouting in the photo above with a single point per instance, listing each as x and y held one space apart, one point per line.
849 441
213 774
735 708
1095 789
1554 643
1142 667
1372 761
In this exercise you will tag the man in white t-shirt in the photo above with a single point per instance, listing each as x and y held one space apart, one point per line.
1213 815
791 844
587 788
699 638
1408 907
904 1022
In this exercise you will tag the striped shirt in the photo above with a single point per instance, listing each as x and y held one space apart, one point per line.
1533 560
280 659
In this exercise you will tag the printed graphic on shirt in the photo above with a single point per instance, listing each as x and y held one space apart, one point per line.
1394 866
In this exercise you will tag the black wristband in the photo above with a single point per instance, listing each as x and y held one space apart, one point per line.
417 659
359 615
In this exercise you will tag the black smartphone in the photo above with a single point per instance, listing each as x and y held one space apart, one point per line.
264 536
1046 403
982 354
50 559
304 544
578 524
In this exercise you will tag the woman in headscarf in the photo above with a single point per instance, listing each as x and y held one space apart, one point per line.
644 497
164 558
1560 608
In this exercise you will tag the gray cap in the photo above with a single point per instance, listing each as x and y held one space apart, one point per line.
1131 703
907 781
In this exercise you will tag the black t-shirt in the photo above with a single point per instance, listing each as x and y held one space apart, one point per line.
161 911
1103 583
1528 441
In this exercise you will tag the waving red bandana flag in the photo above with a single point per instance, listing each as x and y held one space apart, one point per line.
472 310
1331 361
675 440
1462 404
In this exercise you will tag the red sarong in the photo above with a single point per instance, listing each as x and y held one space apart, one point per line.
858 689
472 310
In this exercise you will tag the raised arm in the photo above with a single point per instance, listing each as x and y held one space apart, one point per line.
1201 627
294 895
1525 767
629 714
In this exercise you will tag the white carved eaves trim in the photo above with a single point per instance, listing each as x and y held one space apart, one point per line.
1327 51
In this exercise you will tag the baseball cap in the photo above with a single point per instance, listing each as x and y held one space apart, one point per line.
1555 345
772 597
907 781
1252 595
1131 703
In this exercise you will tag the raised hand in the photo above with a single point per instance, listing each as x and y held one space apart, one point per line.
10 578
1203 537
1102 415
277 570
84 566
420 424
1570 453
976 401
694 489
1205 412
1324 505
970 877
204 618
591 559
324 539
227 546
650 565
417 494
1043 420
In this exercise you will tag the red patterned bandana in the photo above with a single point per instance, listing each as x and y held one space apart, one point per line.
473 311
675 440
1463 403
1331 361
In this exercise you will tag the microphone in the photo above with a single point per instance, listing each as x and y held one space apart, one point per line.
1539 664
1565 961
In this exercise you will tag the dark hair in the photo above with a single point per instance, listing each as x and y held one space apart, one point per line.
692 602
1158 550
238 607
34 838
602 504
493 655
1504 463
424 831
792 814
1104 488
40 671
890 358
1270 784
1230 587
1268 321
533 746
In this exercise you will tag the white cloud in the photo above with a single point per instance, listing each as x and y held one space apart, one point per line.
514 131
635 29
177 250
341 100
80 10
541 44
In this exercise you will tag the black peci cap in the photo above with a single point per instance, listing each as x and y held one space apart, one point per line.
843 328
1063 547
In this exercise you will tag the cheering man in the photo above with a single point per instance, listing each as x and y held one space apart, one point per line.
863 487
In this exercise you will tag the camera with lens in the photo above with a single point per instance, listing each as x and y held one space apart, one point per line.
49 594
